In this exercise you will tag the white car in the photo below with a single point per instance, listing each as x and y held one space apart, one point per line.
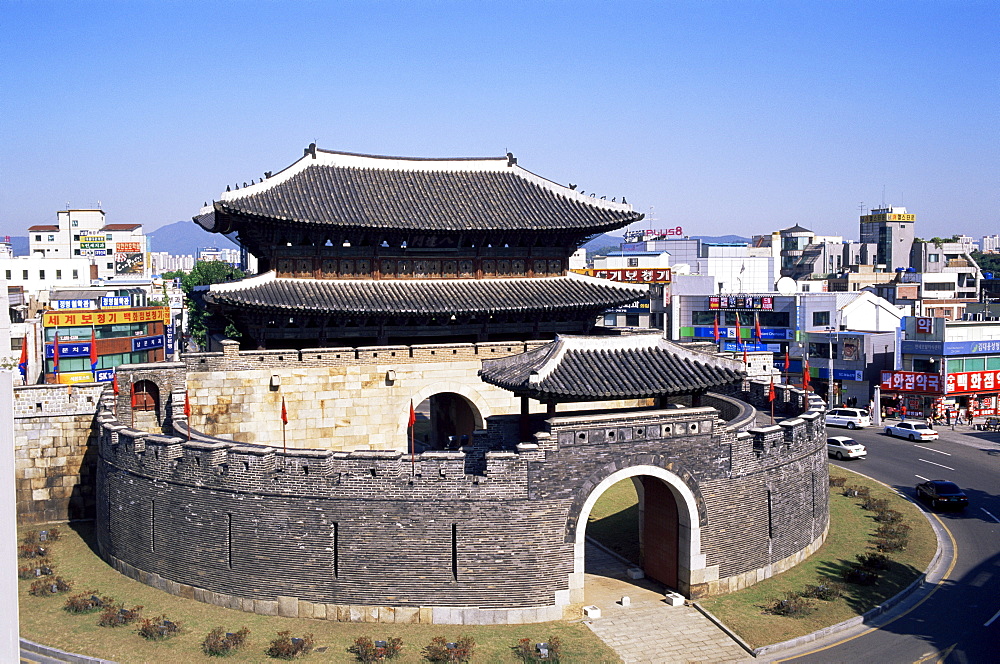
842 447
912 431
852 418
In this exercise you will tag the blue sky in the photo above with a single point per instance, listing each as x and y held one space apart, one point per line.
721 117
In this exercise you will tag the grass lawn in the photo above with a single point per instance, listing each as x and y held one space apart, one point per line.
614 521
44 621
850 531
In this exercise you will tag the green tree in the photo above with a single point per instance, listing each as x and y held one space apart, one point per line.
204 273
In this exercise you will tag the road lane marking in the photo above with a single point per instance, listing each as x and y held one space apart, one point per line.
998 521
995 616
936 464
924 479
939 584
931 449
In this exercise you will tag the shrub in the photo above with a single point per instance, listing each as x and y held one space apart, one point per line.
860 576
56 586
875 504
116 615
873 562
33 570
31 551
86 602
793 606
219 642
30 537
366 650
891 545
837 481
154 629
827 591
528 651
893 531
460 651
888 516
284 646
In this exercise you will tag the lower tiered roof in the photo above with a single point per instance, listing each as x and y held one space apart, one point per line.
586 368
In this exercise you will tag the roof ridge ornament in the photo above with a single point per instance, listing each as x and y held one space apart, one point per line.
511 160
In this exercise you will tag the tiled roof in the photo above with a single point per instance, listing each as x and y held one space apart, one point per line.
443 195
574 368
44 228
431 297
121 227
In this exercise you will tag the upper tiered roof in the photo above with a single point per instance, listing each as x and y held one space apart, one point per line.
353 191
580 368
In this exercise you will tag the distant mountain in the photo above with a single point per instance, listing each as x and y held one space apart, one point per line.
185 237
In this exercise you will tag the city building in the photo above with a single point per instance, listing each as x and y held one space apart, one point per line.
890 229
115 249
990 243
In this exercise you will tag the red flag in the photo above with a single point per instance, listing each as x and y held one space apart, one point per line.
22 366
284 413
739 333
788 363
745 355
93 352
413 416
187 405
756 327
715 328
805 373
770 390
114 382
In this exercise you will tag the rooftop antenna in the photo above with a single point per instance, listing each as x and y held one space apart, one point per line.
861 206
883 197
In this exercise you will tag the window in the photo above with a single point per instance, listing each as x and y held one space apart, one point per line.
933 258
76 274
993 363
74 223
41 274
76 252
24 274
58 274
956 366
76 238
975 363
633 262
110 265
939 286
632 320
610 320
8 275
52 238
38 238
821 318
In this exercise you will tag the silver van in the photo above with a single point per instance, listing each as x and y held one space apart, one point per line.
852 418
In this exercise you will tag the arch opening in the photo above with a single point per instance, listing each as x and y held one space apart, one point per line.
664 530
445 421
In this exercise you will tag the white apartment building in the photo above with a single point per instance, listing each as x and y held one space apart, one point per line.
118 250
990 243
36 275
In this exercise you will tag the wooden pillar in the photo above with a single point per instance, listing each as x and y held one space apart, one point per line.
696 399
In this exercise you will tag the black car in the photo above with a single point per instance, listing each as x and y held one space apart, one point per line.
942 494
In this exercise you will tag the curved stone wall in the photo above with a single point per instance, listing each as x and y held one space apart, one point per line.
488 534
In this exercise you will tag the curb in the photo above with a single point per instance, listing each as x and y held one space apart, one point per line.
718 623
876 611
60 655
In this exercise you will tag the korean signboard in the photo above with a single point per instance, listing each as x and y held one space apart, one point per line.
631 275
129 263
72 349
924 325
74 304
127 247
116 301
147 343
911 381
69 319
973 381
757 302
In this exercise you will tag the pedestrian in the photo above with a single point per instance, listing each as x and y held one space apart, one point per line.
902 413
947 416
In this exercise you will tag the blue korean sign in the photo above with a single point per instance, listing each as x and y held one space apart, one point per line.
169 333
951 347
732 346
68 350
839 374
147 343
766 333
74 304
112 301
105 375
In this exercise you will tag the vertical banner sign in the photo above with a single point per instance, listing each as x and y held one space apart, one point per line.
168 330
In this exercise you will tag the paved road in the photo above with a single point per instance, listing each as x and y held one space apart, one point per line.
960 620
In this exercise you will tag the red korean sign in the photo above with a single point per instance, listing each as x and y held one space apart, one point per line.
925 325
631 276
911 381
973 381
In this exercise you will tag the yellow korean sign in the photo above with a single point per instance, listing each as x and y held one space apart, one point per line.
115 317
70 377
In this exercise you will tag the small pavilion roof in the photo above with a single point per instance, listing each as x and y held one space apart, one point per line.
355 191
428 297
591 368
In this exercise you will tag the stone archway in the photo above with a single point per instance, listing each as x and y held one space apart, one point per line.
670 530
445 410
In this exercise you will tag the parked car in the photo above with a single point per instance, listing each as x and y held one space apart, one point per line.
912 431
842 447
852 418
942 494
